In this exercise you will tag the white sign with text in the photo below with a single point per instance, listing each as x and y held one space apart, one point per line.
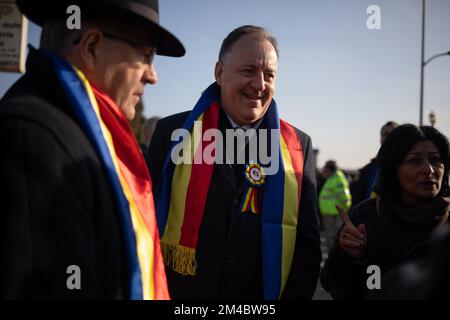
13 37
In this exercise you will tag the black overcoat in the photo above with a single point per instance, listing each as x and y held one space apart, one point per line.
57 208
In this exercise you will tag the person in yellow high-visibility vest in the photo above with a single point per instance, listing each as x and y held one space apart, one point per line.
334 192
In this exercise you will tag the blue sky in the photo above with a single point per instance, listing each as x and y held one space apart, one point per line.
337 80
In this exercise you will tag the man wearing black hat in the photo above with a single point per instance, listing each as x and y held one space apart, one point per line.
77 212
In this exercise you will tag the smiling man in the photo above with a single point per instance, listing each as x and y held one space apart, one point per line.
77 212
247 76
233 230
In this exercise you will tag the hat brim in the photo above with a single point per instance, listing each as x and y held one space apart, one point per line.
39 13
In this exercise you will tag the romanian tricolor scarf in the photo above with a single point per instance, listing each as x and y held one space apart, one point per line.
183 189
110 133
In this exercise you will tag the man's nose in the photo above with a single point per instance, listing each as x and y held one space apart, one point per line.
150 75
258 82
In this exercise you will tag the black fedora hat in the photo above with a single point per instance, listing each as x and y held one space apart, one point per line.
144 13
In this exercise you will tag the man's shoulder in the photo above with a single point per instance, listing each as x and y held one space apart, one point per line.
34 117
302 135
173 121
335 179
31 107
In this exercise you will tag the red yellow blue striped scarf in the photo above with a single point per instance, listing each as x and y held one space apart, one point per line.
183 189
110 133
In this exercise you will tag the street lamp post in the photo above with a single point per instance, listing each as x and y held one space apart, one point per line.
432 118
424 63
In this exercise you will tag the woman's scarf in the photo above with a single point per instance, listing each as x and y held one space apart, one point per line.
405 229
110 134
182 192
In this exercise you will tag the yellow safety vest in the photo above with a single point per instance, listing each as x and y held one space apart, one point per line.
335 191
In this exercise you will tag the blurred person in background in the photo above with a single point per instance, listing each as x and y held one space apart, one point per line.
335 191
367 175
146 133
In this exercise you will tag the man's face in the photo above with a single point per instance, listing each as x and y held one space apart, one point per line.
326 172
122 70
246 76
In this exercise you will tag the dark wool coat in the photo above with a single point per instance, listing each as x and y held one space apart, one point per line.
57 207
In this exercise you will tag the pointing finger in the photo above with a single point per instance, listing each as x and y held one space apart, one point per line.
344 216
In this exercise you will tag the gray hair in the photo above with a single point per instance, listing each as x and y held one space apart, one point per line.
57 38
254 31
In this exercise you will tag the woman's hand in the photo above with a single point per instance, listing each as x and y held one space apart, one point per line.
352 240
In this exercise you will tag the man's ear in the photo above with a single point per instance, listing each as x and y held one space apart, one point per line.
89 46
218 71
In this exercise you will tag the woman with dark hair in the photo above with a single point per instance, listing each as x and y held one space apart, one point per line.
395 227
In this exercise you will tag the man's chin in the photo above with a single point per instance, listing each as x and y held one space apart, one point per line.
131 115
129 112
249 119
254 114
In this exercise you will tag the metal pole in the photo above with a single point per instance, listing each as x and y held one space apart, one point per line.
422 64
435 57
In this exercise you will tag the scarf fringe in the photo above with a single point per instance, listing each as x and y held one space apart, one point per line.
180 257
